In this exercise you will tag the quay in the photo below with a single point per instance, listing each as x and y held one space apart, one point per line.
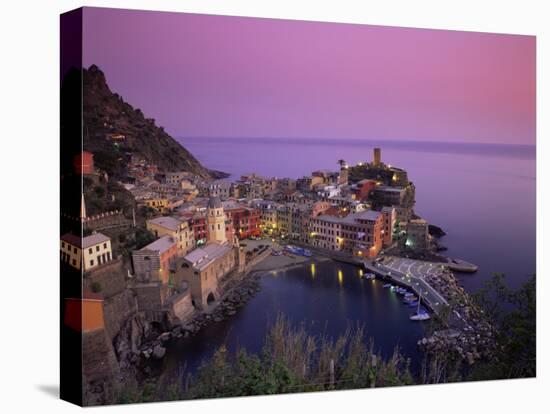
429 296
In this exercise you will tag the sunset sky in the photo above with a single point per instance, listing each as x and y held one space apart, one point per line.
201 75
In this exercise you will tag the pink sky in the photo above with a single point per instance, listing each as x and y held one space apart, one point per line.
203 75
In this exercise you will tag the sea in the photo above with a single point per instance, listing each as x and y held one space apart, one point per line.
481 195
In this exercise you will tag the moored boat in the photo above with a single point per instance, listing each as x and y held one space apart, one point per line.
422 316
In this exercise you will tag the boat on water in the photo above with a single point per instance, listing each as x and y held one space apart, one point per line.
410 299
409 294
299 251
386 285
369 276
420 314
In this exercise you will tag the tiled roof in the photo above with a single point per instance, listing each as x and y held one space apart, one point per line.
167 222
85 242
160 245
201 257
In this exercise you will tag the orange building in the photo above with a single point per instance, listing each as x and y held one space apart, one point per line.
83 163
86 314
153 262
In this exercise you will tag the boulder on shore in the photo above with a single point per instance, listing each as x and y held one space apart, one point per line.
159 351
436 231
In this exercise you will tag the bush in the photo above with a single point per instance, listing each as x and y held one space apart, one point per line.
96 287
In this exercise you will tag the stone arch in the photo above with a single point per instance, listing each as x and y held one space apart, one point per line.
210 299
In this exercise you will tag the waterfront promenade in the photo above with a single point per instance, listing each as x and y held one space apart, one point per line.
414 281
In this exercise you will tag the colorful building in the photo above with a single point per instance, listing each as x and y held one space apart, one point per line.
86 314
246 221
153 262
159 204
83 163
359 234
179 230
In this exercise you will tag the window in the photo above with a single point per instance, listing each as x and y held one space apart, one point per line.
74 262
105 245
74 249
91 263
97 248
62 245
90 250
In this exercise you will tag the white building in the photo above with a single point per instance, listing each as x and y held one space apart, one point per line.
86 253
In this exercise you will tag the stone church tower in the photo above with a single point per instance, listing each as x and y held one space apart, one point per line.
215 221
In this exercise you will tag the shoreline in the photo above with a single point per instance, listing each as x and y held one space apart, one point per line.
449 339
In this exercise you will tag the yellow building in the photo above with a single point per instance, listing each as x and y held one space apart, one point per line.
159 204
177 229
86 253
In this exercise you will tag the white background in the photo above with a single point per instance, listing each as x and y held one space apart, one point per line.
29 159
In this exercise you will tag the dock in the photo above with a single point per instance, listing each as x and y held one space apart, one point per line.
459 265
431 298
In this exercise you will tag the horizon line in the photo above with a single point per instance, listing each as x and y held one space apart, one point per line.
393 140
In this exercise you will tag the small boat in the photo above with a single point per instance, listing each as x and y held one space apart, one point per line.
413 304
421 314
401 290
369 276
409 294
410 299
386 285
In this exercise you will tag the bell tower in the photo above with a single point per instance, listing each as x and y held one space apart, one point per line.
215 221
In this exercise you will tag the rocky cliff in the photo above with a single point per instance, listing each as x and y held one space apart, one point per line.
113 129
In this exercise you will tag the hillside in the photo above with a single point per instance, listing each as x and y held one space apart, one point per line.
113 129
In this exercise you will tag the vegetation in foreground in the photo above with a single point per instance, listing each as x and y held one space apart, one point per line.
294 361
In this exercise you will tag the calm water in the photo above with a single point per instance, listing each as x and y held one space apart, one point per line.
483 196
326 299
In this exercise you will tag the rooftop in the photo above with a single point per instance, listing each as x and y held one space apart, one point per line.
214 202
389 189
85 242
201 257
370 215
160 245
167 222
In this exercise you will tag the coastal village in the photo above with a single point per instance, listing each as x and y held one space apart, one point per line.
205 237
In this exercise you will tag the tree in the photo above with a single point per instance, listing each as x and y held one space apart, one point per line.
513 313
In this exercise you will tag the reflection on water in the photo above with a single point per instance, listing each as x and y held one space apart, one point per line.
328 303
483 196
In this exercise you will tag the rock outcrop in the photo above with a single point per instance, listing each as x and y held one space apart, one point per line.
113 129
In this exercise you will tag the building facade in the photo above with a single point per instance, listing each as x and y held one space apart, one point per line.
153 262
179 230
86 253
